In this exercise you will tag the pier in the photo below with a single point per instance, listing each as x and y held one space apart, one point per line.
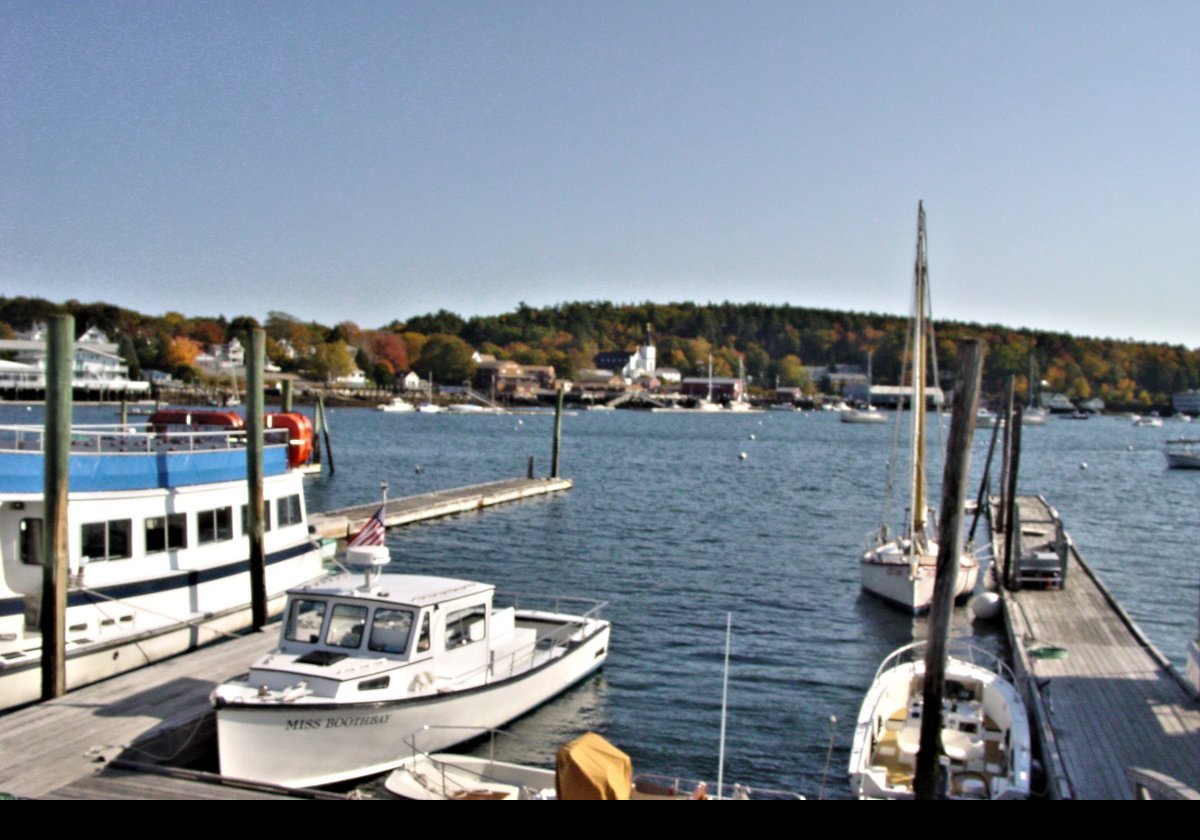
1105 702
54 749
341 523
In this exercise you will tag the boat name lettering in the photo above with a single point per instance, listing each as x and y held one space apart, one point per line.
333 723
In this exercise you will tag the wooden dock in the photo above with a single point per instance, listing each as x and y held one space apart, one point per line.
341 523
57 748
1103 698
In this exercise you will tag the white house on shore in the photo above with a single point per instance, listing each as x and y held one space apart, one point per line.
97 367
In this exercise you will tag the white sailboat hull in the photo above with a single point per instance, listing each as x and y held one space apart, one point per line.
887 573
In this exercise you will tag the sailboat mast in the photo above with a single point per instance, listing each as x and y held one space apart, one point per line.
918 379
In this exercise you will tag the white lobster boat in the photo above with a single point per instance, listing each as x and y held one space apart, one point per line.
157 544
985 745
358 668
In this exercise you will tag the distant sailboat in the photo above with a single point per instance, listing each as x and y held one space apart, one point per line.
870 414
902 569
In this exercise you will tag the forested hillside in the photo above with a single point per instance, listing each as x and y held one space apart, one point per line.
775 343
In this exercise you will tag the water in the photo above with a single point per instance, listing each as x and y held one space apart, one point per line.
669 525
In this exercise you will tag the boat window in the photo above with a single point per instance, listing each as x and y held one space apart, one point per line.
304 621
423 639
106 540
214 525
166 532
390 630
266 517
287 510
464 627
346 626
31 542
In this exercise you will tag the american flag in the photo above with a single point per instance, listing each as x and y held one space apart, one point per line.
371 533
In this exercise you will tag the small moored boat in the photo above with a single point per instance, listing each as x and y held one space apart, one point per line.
359 667
985 742
1183 454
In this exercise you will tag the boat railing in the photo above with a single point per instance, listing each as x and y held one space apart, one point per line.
133 439
655 786
959 649
468 733
553 603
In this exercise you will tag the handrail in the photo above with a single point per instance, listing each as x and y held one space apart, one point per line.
116 439
957 648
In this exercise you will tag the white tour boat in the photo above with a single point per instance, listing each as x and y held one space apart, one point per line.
360 667
901 569
985 741
157 545
398 405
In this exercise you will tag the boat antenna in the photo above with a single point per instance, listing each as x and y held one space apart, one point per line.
828 754
724 706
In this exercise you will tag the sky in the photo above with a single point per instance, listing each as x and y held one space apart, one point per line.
371 161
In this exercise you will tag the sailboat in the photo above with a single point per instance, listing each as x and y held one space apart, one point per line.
870 414
707 403
901 569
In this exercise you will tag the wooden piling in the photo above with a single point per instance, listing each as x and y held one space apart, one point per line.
1006 452
954 492
558 414
285 399
1010 544
60 355
254 476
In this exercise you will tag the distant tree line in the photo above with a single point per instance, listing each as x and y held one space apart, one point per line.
773 343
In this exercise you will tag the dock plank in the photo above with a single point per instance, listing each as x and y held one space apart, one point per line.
1113 701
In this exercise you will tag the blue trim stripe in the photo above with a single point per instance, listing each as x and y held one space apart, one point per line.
22 472
167 583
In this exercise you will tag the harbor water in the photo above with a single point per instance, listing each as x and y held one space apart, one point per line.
671 525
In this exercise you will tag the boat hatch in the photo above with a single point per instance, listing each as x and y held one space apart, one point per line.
322 658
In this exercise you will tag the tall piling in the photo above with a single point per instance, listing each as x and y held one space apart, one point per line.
60 357
954 491
254 476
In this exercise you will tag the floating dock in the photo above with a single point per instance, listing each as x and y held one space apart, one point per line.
1104 700
341 523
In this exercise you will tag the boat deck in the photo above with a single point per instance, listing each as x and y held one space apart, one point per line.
344 522
1103 697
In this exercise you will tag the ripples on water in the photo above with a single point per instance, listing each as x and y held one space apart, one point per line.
675 531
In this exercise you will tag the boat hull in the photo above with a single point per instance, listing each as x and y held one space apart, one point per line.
310 744
985 734
887 574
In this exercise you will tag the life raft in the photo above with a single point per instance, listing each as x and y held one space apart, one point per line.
300 435
202 420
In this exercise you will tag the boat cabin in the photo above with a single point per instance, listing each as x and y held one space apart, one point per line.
402 635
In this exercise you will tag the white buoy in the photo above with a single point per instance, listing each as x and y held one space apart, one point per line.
752 437
741 456
986 605
1083 465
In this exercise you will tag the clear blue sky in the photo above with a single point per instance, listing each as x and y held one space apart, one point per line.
376 160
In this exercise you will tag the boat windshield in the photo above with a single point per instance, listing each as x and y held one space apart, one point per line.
304 621
346 626
390 630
